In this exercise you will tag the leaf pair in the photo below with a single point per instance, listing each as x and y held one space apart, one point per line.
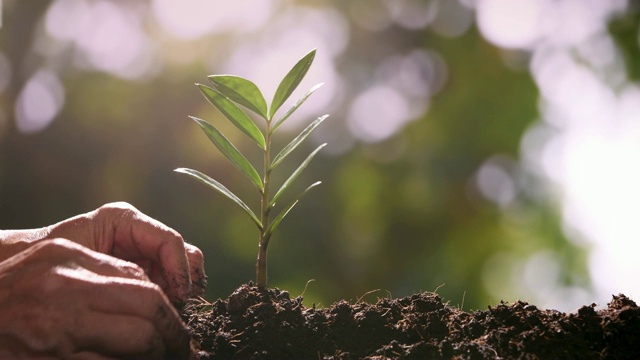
244 92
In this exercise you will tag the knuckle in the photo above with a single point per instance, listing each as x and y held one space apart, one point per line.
170 237
119 208
56 246
133 269
175 239
153 289
194 253
118 205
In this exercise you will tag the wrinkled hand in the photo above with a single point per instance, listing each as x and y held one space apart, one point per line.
120 230
96 286
62 300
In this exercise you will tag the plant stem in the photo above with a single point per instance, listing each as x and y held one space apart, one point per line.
261 266
261 262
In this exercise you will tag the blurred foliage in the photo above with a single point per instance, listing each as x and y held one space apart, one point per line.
624 30
401 215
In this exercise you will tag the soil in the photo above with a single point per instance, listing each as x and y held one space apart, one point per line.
269 324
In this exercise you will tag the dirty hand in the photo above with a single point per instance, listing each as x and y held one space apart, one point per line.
59 299
120 230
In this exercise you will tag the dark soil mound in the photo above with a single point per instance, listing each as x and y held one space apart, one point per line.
268 324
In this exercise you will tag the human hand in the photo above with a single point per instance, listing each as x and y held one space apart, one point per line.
120 230
59 299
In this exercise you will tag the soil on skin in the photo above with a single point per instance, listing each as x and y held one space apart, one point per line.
268 324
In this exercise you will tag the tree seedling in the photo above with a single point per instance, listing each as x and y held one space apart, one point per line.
230 95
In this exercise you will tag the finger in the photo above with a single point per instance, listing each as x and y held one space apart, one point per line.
76 293
144 300
106 265
117 335
196 269
139 237
166 250
67 252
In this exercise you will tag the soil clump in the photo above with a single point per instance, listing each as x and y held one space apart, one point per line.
269 324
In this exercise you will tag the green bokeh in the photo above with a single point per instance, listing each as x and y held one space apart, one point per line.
401 215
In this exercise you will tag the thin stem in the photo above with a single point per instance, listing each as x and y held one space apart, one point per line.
261 262
261 267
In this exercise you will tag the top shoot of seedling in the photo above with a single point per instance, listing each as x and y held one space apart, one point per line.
230 94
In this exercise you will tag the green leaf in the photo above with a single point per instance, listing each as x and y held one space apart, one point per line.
291 81
295 142
286 210
234 114
230 152
221 189
295 174
295 107
241 91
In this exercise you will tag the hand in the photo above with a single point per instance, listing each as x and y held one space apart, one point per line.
62 300
120 230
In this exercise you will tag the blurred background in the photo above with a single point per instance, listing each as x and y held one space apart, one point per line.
486 149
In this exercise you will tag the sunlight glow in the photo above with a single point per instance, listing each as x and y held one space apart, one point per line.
191 19
265 59
511 23
602 195
97 29
39 102
413 14
495 182
378 113
588 142
593 156
401 92
453 18
371 15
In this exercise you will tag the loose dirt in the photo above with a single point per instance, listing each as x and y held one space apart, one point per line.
269 324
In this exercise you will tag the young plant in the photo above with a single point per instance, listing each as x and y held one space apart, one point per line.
230 94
